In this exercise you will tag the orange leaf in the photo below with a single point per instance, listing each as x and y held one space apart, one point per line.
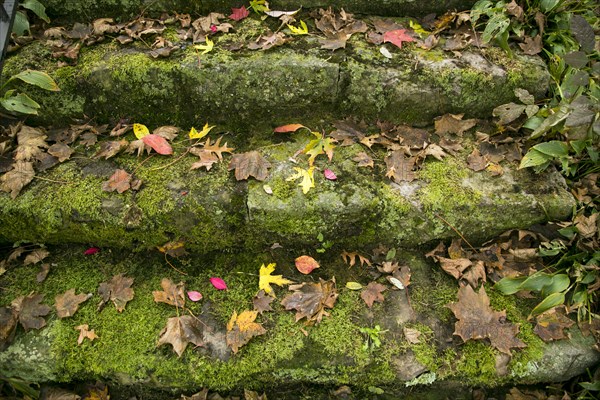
158 143
288 128
306 264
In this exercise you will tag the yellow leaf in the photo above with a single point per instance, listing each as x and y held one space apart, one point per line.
194 134
140 130
266 279
302 30
206 47
415 26
308 180
354 285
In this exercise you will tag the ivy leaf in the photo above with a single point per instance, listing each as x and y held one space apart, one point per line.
308 180
31 311
301 30
117 290
265 279
171 294
180 331
241 328
397 37
249 164
311 299
477 320
68 303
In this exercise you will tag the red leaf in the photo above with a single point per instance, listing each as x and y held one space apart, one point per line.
288 128
239 13
218 283
397 37
329 174
91 250
158 143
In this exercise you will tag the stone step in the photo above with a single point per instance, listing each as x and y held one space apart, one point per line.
88 10
243 89
212 211
289 353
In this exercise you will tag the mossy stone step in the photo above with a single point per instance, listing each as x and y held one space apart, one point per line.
247 89
212 211
289 353
85 10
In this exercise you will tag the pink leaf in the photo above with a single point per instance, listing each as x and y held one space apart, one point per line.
329 174
218 283
397 37
213 28
194 296
239 13
158 143
91 250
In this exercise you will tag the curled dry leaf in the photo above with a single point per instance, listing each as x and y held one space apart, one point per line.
306 264
68 303
85 333
171 294
36 256
180 331
241 328
351 257
117 290
288 128
372 293
311 299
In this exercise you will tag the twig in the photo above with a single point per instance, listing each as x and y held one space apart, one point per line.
52 180
174 267
455 230
172 162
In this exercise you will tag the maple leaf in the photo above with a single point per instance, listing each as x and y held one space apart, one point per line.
30 311
205 47
476 162
36 256
350 258
68 303
158 144
16 179
249 164
551 324
363 160
310 299
450 123
319 145
266 42
265 279
399 169
306 264
120 181
194 134
85 333
262 302
171 294
117 290
301 30
180 331
30 142
239 13
396 37
241 328
308 179
60 151
372 293
477 320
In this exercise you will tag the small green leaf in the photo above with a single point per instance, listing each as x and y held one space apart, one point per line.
354 285
20 24
390 255
593 386
37 8
547 5
554 148
21 103
560 283
536 281
509 285
534 158
37 78
555 299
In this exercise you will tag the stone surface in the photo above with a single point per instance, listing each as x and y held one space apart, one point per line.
290 353
89 9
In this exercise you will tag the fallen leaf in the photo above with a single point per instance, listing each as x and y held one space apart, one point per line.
269 41
477 320
586 226
36 256
139 146
301 30
308 179
241 328
8 324
372 293
120 182
412 335
158 143
306 264
85 333
363 160
216 148
31 311
171 294
369 141
252 395
262 302
249 164
239 13
350 258
60 151
288 128
30 143
43 274
140 130
117 290
550 325
399 168
265 279
311 299
111 148
180 331
207 159
91 251
68 303
194 295
206 48
16 179
319 145
194 134
168 132
532 46
450 123
173 249
353 285
329 174
397 37
476 162
218 283
201 395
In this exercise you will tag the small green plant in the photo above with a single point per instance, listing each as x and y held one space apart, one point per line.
17 102
325 244
372 339
21 23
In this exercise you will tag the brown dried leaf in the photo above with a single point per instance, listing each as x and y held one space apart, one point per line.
120 181
207 159
475 274
551 324
171 294
532 46
36 256
68 303
30 311
587 226
477 320
117 290
111 148
311 299
167 132
85 333
399 169
241 328
30 143
139 146
217 148
249 164
8 324
412 335
450 123
60 151
180 331
262 302
41 276
363 160
372 293
476 162
16 179
173 249
350 258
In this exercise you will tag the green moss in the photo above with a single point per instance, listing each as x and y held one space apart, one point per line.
477 364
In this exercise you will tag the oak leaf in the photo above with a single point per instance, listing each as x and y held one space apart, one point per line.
207 159
311 299
217 148
120 182
68 303
372 293
171 294
241 328
180 331
30 311
16 179
117 290
265 279
399 168
397 37
262 302
249 164
351 257
85 333
477 320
